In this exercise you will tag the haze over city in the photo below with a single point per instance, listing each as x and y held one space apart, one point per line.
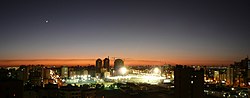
141 32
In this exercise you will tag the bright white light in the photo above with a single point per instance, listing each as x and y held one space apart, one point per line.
156 70
166 81
123 70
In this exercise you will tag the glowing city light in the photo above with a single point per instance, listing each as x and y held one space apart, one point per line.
156 70
123 70
55 77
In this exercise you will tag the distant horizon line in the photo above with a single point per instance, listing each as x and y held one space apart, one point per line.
73 62
76 59
91 61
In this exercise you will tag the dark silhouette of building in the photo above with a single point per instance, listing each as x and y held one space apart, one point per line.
69 91
239 73
188 82
35 77
98 65
106 64
117 65
22 73
11 88
49 91
3 74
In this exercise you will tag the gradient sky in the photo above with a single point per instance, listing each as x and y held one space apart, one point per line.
191 32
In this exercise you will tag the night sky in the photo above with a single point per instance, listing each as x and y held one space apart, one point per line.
191 32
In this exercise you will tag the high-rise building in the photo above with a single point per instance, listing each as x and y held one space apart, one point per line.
106 64
46 76
64 72
240 74
188 82
85 72
36 75
230 76
98 65
117 65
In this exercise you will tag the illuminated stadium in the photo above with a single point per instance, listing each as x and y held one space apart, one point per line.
149 78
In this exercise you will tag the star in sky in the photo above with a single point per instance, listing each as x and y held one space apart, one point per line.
46 21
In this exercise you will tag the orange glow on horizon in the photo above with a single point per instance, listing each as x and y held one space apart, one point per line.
84 62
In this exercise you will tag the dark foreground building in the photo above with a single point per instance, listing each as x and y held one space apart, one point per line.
11 89
188 82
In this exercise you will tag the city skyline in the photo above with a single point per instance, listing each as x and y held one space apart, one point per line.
143 32
128 62
74 62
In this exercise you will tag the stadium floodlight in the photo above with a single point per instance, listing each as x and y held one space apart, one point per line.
156 70
123 70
